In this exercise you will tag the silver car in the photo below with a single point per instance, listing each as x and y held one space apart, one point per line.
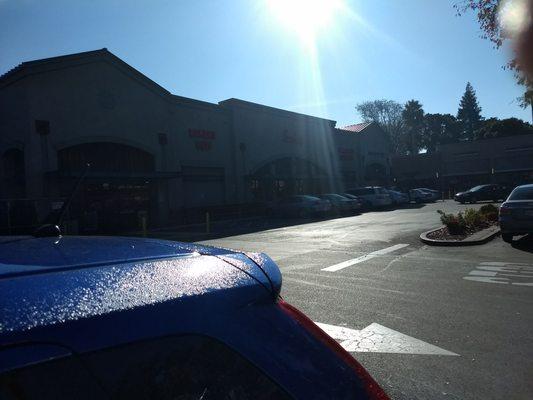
516 213
301 206
376 196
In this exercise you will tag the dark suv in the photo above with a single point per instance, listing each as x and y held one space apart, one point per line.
492 192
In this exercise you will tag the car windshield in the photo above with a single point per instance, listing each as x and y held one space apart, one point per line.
307 198
334 196
522 193
477 188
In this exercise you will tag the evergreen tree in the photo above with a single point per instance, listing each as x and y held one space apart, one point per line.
469 113
413 122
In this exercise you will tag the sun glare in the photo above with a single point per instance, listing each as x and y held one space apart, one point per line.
306 18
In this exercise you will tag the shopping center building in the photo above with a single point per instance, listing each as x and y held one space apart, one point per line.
459 166
156 154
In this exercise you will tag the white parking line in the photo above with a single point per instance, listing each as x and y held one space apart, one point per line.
349 263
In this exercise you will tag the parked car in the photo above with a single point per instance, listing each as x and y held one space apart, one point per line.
377 196
398 197
490 192
365 204
434 195
301 206
126 318
340 204
516 213
419 196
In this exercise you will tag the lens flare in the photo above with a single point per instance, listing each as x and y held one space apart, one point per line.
513 16
306 18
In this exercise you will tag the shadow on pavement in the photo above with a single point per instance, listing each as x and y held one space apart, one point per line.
220 229
525 243
225 228
408 206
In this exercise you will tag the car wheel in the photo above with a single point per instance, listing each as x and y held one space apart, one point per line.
462 201
473 200
507 237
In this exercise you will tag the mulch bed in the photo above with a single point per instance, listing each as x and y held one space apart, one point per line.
443 234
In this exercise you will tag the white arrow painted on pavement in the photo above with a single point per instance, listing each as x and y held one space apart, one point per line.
376 338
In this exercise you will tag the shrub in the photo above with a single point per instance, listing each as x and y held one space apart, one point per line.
490 212
469 220
474 218
455 223
488 209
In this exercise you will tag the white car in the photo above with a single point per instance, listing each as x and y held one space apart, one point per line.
375 196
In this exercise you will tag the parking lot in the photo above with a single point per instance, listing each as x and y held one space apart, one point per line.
427 322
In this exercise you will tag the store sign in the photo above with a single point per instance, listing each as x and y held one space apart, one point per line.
201 145
202 138
202 134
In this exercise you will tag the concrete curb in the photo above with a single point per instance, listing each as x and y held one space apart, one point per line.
477 238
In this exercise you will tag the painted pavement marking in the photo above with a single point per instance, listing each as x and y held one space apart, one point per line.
518 274
353 261
376 338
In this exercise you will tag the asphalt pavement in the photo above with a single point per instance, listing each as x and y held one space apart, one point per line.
427 322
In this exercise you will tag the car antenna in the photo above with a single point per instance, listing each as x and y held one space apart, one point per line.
53 229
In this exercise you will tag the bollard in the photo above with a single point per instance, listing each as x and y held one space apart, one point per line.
143 223
207 223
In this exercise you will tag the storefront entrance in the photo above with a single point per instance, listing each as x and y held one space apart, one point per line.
119 189
287 176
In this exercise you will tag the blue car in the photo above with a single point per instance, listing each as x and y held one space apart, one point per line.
125 318
516 213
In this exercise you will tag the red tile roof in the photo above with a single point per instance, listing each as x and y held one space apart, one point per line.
356 127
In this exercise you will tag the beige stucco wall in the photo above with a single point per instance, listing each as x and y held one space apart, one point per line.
96 97
268 134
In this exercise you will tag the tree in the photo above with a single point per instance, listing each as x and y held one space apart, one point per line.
488 14
388 114
469 113
413 122
439 129
494 127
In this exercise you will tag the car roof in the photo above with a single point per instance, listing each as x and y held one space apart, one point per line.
27 254
47 282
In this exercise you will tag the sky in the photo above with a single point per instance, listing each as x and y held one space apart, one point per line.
213 50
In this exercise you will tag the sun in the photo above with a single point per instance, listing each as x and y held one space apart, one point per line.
306 18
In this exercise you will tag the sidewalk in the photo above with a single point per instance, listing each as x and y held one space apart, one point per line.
198 232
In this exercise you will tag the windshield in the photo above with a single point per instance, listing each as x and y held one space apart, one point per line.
523 193
335 196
